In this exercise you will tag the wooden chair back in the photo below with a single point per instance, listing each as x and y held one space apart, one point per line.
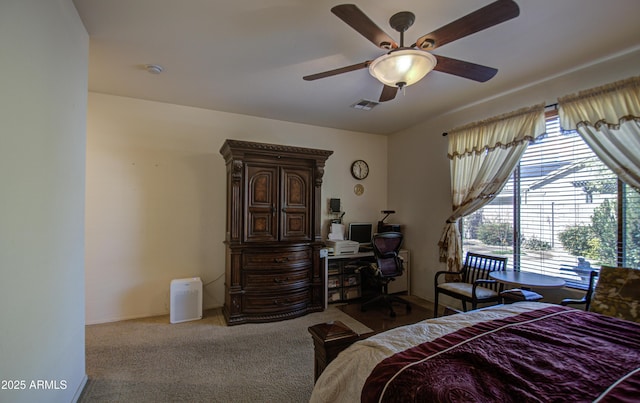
477 267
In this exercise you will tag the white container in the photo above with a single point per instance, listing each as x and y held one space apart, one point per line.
185 300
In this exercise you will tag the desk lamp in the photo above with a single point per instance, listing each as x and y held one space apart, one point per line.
381 224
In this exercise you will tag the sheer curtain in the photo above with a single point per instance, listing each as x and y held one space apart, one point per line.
608 119
482 156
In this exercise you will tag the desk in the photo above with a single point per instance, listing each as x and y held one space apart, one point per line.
526 280
343 282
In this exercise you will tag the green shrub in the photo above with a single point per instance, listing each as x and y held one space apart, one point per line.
534 243
500 233
575 239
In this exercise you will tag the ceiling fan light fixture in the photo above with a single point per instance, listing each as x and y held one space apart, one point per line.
402 67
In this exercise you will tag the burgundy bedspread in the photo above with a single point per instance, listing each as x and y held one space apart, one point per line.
555 354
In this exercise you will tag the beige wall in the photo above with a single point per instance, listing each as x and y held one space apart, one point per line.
419 186
44 52
156 196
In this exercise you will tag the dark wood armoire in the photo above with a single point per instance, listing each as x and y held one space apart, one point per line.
273 266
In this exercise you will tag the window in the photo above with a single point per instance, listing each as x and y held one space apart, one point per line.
562 213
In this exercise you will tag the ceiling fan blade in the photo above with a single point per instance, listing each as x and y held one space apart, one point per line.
464 69
358 20
388 93
340 70
483 18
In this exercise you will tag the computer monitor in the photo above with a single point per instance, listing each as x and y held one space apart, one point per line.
361 233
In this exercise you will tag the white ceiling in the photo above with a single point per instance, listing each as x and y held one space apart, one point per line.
249 56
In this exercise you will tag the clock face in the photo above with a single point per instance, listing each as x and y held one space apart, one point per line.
359 169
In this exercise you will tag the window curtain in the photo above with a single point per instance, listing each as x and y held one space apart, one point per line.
482 156
608 119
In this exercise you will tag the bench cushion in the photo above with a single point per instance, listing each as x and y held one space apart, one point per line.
617 293
517 294
466 290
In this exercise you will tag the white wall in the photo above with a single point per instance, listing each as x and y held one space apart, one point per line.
419 184
156 196
43 66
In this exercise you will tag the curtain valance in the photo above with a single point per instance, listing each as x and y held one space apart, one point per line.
608 119
608 104
510 129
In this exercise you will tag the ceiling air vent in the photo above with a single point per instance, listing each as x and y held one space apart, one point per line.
365 105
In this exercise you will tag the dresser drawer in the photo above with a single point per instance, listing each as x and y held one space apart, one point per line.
278 258
256 303
283 280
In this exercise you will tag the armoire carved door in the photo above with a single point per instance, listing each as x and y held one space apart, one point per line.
279 203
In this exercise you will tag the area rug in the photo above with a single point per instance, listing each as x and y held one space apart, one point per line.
378 318
151 360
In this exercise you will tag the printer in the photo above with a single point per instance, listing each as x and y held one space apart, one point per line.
338 244
342 246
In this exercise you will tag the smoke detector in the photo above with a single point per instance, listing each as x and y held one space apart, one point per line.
153 68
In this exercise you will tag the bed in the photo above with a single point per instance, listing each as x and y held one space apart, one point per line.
524 352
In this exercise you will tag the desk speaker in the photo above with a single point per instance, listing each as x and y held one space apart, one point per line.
334 205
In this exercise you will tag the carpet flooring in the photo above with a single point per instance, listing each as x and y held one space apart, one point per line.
151 360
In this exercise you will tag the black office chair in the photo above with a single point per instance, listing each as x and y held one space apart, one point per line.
388 266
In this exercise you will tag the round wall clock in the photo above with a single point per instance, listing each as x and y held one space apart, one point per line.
358 189
359 169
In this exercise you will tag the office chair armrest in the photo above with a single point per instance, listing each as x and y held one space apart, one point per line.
363 267
372 268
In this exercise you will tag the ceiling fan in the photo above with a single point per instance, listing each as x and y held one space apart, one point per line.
403 65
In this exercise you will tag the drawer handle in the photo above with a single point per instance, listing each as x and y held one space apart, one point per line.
280 302
279 281
281 260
